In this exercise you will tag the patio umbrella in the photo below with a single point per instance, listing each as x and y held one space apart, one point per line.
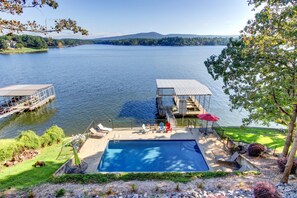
208 118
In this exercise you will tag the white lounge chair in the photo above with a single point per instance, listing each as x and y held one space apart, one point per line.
103 128
96 134
144 129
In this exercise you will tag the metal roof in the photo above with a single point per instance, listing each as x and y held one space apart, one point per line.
184 87
22 90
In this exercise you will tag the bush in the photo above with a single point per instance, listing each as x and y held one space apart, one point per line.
255 149
29 139
281 163
46 140
60 193
56 133
265 190
9 149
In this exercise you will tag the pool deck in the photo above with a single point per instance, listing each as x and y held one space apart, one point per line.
93 149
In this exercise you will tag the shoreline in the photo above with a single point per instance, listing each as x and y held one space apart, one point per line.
23 51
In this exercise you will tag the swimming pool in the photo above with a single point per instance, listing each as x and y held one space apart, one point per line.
152 156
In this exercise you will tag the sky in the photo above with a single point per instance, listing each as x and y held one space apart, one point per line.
119 17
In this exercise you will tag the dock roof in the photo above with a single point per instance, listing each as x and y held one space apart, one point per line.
22 90
184 87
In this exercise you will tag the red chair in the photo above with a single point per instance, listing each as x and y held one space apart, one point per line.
168 127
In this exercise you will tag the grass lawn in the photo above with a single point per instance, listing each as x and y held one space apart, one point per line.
25 175
271 138
22 51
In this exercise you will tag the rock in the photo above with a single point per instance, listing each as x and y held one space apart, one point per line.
291 177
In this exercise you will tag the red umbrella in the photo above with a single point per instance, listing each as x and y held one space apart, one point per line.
208 117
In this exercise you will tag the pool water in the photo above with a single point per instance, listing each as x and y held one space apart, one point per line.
152 156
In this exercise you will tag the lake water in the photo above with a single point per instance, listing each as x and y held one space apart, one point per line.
98 82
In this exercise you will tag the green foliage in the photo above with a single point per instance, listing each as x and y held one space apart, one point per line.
19 45
259 69
25 175
16 7
134 188
177 188
60 193
9 148
105 178
46 140
171 41
29 139
3 44
56 133
77 160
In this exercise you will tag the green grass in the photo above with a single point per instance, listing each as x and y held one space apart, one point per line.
105 178
25 175
271 138
22 51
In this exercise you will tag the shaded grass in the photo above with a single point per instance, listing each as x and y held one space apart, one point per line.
25 174
272 138
105 178
22 50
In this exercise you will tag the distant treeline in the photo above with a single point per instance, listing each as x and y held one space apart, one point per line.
171 41
37 42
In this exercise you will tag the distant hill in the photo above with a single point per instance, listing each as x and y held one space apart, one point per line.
155 35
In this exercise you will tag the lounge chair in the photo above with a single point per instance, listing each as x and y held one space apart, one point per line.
230 160
96 134
168 127
103 128
161 127
144 129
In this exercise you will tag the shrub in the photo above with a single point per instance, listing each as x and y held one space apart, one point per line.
265 190
46 140
134 187
60 193
9 149
281 163
29 139
255 149
56 133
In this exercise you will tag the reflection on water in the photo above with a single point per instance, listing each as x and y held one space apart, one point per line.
102 82
29 119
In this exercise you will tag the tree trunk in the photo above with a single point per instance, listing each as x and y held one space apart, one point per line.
290 131
290 161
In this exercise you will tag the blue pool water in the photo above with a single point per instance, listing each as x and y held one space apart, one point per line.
152 156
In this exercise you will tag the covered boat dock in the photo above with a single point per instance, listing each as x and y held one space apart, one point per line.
27 97
181 97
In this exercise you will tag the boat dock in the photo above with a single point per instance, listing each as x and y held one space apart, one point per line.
181 97
28 97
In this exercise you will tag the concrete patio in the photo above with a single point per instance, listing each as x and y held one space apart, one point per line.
93 149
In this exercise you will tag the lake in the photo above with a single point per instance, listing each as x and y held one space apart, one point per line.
98 82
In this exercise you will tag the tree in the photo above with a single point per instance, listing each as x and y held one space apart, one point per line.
19 45
16 7
259 70
3 44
